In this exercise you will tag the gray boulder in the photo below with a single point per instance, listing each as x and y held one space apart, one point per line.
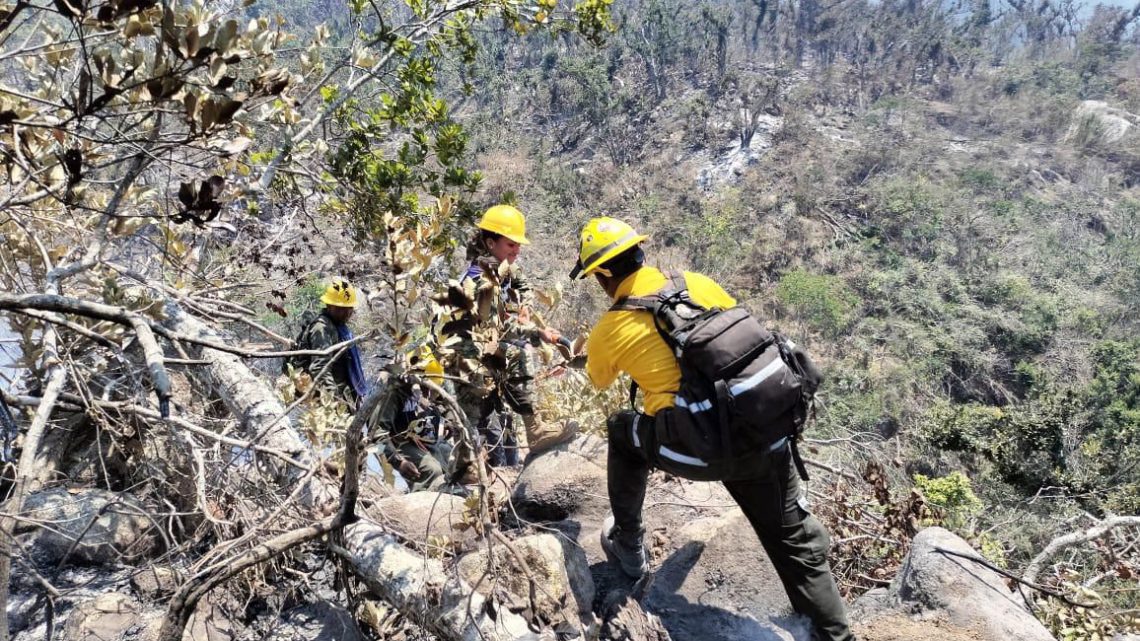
109 527
155 582
316 622
208 623
564 481
715 583
959 597
107 616
425 517
564 589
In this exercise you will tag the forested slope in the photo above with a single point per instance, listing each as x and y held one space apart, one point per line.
940 199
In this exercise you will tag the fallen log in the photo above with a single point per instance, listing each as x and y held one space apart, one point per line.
254 404
423 591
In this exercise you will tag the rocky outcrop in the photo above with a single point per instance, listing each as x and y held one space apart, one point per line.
316 622
424 517
567 480
961 598
1110 124
563 588
715 583
90 526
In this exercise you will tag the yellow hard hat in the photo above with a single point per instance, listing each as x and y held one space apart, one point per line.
339 294
423 358
507 221
434 371
602 239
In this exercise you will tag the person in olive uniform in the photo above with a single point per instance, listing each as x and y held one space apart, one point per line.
496 357
342 372
414 432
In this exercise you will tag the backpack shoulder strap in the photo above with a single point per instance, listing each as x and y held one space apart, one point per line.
675 283
635 304
307 328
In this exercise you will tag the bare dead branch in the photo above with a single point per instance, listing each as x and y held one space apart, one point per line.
1009 575
1060 543
186 599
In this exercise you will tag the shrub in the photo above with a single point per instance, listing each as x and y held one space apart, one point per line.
980 180
910 215
822 301
953 495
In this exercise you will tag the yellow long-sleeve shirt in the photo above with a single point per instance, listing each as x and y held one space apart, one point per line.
625 341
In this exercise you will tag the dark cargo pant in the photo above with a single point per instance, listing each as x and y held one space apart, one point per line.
432 462
795 541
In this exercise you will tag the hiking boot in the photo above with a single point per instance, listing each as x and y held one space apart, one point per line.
543 436
625 548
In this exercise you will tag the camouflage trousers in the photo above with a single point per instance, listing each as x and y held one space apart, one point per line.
505 385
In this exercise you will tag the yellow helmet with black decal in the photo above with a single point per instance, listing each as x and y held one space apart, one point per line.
602 239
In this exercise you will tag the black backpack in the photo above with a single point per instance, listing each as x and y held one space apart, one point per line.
743 387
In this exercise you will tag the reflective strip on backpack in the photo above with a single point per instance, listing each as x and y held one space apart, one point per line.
757 378
692 407
681 458
695 407
636 420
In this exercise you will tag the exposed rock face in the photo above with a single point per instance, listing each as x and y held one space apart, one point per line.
421 516
1114 123
563 481
715 583
316 622
963 599
109 527
564 589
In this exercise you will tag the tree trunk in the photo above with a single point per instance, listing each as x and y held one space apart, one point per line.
252 401
30 469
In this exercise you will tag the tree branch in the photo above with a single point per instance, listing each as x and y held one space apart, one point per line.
1060 543
187 598
123 316
1009 575
77 402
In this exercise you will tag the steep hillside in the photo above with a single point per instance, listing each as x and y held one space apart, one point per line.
951 226
940 200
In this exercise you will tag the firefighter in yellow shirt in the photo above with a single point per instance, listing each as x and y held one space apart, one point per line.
629 341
